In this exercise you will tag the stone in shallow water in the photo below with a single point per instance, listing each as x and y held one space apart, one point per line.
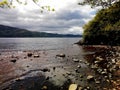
45 70
76 60
73 87
29 54
36 56
60 55
14 60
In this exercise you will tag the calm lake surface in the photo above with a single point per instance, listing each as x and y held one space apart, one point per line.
36 43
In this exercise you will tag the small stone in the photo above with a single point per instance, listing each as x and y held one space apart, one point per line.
81 76
97 82
60 55
76 60
36 56
47 78
94 66
78 66
44 88
103 73
80 88
29 54
113 61
76 70
99 59
96 62
14 61
54 68
69 73
18 79
80 61
90 78
88 88
73 87
45 70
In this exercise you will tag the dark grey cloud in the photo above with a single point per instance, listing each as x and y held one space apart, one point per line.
63 21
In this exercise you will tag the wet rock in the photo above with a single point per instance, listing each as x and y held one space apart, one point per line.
60 55
73 87
29 54
76 60
90 78
36 56
14 60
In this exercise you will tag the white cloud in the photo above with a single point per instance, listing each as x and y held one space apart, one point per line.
68 17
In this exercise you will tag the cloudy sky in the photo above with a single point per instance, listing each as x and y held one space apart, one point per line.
68 17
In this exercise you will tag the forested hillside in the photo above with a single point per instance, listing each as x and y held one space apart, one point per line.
104 28
7 31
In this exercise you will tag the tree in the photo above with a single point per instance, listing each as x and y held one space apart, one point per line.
104 28
103 3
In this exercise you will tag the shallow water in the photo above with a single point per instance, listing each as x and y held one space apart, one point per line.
36 43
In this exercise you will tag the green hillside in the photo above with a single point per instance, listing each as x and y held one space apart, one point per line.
104 28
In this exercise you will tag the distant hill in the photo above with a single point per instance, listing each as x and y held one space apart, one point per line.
7 31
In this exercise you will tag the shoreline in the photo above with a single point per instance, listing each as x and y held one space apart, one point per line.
60 72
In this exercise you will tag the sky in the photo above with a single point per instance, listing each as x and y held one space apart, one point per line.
68 17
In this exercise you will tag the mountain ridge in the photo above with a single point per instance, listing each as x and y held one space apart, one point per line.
9 31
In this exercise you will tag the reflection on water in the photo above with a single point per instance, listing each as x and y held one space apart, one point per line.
36 43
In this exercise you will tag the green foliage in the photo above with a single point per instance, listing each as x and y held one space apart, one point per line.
95 3
104 28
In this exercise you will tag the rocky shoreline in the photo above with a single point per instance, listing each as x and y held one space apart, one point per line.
98 69
106 64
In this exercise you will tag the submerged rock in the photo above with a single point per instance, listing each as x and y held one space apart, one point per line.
73 87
